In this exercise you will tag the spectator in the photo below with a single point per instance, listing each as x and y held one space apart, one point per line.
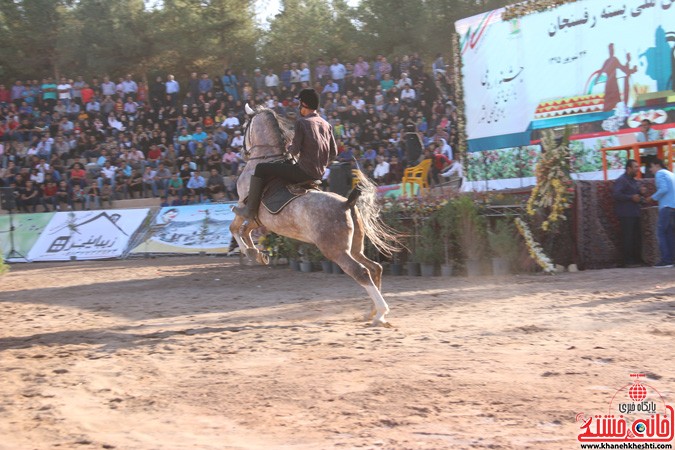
665 195
149 182
196 185
627 199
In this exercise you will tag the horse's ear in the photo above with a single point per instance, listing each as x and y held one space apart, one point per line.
248 110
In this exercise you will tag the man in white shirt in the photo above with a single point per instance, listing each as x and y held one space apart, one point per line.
381 170
172 89
359 103
408 95
648 154
129 87
456 171
64 91
304 73
337 73
403 81
107 87
271 82
231 122
237 140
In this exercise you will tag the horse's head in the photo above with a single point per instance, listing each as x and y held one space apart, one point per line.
265 135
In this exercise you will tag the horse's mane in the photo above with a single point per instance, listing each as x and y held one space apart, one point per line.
282 126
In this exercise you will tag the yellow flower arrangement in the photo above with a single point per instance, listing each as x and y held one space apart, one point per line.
554 190
533 248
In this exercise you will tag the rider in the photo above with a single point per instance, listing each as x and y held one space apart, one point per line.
314 145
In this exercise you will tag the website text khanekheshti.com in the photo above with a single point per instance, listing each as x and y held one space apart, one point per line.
628 445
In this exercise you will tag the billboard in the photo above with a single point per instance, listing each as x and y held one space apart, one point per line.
599 67
87 235
190 229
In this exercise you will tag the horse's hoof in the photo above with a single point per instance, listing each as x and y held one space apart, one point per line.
381 323
263 258
252 253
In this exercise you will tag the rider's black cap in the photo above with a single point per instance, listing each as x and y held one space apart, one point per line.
309 98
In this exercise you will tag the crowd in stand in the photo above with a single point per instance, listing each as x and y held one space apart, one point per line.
68 144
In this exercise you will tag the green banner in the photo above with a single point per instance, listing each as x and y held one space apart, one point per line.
26 231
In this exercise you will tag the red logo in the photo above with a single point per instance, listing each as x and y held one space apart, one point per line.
637 414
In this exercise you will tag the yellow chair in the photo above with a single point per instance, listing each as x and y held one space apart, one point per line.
355 177
417 175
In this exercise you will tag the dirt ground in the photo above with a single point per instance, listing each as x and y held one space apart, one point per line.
200 353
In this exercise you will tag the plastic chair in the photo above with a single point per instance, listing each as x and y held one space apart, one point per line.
355 177
417 175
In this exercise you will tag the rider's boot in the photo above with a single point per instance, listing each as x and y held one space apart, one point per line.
250 210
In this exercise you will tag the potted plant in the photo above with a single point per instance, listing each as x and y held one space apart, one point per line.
326 266
503 246
306 257
471 234
446 219
292 247
428 251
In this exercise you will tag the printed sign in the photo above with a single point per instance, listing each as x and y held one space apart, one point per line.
87 235
190 229
590 63
21 231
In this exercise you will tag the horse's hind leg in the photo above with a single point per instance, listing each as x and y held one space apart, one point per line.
358 238
360 273
374 268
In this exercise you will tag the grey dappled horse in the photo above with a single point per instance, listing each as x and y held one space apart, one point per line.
337 226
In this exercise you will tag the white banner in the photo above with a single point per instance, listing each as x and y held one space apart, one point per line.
87 235
580 62
190 229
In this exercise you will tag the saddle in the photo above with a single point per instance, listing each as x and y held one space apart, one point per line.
279 192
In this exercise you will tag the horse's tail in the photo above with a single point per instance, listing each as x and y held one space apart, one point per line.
364 197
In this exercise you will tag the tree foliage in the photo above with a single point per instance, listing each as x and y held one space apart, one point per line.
93 37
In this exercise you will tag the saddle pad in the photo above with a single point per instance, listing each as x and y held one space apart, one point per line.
275 201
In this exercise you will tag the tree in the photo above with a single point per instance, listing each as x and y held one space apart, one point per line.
29 31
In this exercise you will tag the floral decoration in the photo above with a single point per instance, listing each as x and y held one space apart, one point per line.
531 6
554 189
535 250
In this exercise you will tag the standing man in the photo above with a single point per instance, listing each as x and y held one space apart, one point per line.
648 134
172 89
627 197
665 195
314 146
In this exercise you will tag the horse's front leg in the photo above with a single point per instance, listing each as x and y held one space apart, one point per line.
252 252
235 229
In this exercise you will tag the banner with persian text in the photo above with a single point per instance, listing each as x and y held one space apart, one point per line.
597 66
190 229
87 235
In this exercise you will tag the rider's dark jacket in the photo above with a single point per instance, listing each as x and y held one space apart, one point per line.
314 144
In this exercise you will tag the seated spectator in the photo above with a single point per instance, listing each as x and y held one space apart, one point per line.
381 172
175 185
78 176
63 198
79 195
215 185
149 182
29 197
49 191
162 178
135 184
237 141
92 197
196 186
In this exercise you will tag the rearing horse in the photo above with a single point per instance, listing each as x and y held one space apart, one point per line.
337 226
